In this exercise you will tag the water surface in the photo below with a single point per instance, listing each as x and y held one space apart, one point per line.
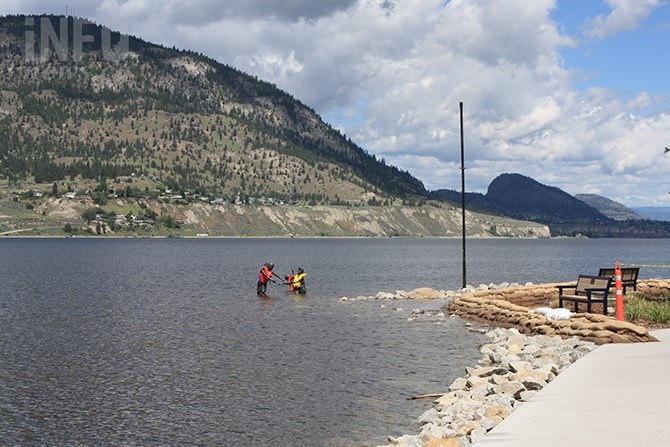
164 342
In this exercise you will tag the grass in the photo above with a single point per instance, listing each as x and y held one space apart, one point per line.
640 307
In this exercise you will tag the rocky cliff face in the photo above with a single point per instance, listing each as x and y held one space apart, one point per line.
240 220
306 221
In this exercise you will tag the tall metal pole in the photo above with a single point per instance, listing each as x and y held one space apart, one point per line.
463 194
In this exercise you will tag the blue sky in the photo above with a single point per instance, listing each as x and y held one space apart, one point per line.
573 93
628 61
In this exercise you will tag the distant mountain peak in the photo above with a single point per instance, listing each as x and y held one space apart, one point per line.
522 197
610 208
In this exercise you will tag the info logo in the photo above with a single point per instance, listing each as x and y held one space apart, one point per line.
65 37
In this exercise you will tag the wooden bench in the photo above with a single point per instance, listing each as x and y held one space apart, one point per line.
628 276
589 290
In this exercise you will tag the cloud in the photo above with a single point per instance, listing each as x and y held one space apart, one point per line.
625 15
82 8
203 12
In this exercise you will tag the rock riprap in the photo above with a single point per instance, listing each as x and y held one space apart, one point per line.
529 348
513 367
428 293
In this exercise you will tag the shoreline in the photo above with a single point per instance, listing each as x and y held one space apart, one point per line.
14 234
513 366
512 369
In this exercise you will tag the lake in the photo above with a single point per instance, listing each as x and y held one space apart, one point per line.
155 342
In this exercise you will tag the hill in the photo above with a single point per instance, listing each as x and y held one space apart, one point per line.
74 108
610 208
520 197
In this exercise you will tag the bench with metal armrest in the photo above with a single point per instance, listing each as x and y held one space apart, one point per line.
589 290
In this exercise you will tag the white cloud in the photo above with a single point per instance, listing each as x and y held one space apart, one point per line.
625 15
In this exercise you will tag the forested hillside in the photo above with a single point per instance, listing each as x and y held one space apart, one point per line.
183 121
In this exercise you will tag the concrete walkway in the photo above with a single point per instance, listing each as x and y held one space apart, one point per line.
616 396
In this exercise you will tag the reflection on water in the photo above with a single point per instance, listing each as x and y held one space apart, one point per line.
164 342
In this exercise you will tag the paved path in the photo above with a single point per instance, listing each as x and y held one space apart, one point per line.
616 396
16 231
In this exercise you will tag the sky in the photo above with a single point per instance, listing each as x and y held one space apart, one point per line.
573 93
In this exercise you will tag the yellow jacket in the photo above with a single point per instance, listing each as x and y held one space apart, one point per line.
298 279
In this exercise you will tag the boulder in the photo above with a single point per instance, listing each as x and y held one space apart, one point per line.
449 442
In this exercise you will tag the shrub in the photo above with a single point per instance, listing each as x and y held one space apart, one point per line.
89 214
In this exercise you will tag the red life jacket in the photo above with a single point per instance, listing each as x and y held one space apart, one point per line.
265 275
290 283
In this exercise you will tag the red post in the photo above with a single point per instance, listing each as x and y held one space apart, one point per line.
618 285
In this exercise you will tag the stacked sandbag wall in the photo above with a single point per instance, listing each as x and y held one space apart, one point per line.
656 288
596 328
533 295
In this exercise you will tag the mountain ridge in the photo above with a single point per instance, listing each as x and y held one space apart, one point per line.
610 208
205 125
520 197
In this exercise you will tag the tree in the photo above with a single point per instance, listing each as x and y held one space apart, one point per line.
100 198
91 213
102 186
